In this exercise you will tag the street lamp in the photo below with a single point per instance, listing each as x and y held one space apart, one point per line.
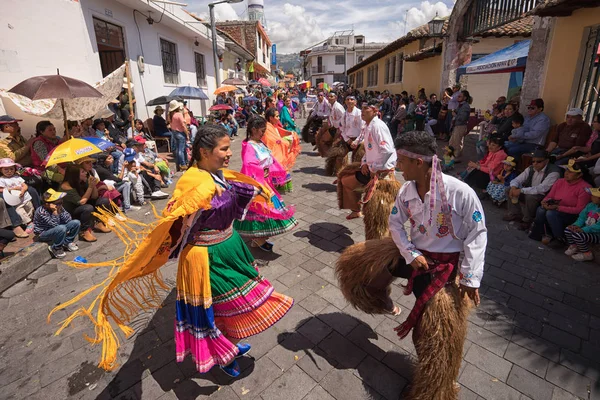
435 28
213 27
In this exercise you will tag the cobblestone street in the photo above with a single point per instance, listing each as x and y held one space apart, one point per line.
536 334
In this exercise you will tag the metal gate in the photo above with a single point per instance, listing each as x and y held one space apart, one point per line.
588 88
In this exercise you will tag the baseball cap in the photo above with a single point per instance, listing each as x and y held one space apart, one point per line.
7 119
575 111
51 195
129 154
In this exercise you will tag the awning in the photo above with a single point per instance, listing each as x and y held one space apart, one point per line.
509 59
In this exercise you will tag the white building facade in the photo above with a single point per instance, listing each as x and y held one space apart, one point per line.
328 61
88 39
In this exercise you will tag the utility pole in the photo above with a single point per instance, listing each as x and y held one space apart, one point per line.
345 66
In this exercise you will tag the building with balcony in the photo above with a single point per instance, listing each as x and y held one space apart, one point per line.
254 38
329 60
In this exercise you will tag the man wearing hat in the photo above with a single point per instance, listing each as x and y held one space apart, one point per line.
527 190
534 132
14 145
573 137
379 160
54 225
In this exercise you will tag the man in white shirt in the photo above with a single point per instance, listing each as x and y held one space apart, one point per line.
379 160
527 190
445 218
318 114
328 131
349 129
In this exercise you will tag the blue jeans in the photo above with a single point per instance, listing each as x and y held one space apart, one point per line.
516 150
61 235
179 140
117 157
125 190
551 222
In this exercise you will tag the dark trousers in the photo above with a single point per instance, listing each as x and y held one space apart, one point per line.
526 207
84 212
551 222
478 179
150 183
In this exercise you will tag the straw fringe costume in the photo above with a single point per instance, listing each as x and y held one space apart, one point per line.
260 165
220 293
439 318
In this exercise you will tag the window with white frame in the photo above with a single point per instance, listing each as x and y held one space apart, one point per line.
200 69
170 65
399 67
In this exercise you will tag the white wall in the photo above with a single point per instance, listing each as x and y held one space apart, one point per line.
486 88
40 36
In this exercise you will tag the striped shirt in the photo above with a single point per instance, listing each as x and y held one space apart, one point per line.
44 220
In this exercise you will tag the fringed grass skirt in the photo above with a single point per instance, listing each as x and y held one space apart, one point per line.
243 303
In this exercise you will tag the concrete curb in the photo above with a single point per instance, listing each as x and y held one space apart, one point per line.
23 263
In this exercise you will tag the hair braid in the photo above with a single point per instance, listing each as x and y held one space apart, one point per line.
207 138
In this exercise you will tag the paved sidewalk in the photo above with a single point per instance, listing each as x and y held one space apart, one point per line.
536 334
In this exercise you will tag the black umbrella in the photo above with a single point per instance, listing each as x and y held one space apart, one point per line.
159 101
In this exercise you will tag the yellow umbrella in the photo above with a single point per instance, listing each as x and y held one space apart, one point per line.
226 88
70 151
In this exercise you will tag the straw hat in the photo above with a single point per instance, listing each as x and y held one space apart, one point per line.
572 166
125 83
174 105
510 161
51 195
158 108
85 159
593 191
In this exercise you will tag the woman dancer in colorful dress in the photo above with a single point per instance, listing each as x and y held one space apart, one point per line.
259 164
221 297
284 145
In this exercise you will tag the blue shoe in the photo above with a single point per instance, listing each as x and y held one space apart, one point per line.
244 349
267 246
232 369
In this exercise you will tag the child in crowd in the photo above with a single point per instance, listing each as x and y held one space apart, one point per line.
53 224
448 159
11 181
100 128
497 186
586 230
132 175
517 124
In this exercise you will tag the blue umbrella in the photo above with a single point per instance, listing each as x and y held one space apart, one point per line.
189 92
250 98
100 143
253 82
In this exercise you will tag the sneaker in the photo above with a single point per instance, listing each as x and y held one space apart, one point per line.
588 256
71 247
571 250
244 348
159 194
132 208
29 229
233 369
57 253
120 217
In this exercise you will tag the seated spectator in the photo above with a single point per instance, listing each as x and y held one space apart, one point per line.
115 131
586 230
106 190
573 138
491 166
159 123
528 189
131 174
11 181
82 199
138 130
74 130
149 172
14 146
592 147
100 129
104 171
44 142
86 128
561 206
503 122
498 185
534 132
55 226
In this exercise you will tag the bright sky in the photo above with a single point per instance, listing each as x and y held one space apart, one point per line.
296 27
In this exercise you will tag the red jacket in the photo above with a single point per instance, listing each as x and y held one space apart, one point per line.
493 162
